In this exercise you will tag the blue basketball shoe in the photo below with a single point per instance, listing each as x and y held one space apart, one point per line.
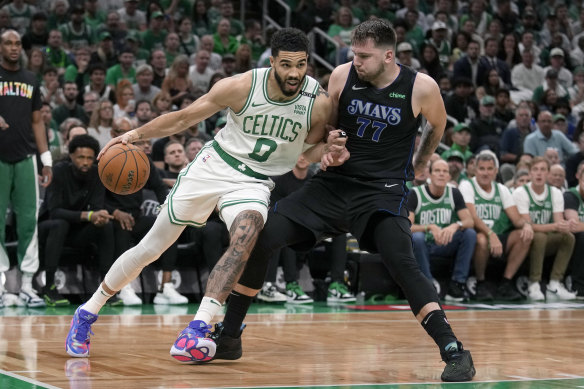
193 345
77 343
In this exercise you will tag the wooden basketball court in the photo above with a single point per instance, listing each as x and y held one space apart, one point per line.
365 346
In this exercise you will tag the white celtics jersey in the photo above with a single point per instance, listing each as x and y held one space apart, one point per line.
266 135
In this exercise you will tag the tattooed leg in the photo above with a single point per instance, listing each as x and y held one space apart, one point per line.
244 233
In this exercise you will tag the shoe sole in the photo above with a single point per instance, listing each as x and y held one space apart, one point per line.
468 377
184 353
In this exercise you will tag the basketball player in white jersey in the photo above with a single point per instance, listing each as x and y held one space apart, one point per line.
274 115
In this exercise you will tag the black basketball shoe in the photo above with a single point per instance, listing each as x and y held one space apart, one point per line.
228 348
459 365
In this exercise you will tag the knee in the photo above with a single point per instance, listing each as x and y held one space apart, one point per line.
469 235
568 238
482 242
539 239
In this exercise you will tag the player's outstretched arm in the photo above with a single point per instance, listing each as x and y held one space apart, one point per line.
228 92
428 101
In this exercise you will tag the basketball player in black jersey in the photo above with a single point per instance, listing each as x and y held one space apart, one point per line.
379 104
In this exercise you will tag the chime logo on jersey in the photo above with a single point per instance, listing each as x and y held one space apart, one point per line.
391 115
12 88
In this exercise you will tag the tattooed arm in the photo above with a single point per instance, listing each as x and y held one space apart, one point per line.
426 99
244 233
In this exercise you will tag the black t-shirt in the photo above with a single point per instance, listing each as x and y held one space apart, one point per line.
19 97
71 192
571 201
456 196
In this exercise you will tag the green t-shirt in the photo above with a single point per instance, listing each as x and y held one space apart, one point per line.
492 212
71 75
97 21
466 153
115 74
152 40
231 47
540 212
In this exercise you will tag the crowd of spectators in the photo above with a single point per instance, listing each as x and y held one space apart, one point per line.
511 74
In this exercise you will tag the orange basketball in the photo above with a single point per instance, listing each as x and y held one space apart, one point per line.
124 169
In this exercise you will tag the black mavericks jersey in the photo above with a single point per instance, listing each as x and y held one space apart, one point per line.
380 126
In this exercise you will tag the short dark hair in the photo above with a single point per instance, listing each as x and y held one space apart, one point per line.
95 67
289 39
378 30
84 141
143 101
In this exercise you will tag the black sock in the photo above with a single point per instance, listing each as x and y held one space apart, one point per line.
236 310
49 278
439 329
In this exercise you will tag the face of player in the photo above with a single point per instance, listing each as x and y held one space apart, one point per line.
11 47
289 70
486 173
539 173
82 159
369 60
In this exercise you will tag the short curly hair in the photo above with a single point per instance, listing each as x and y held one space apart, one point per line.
86 141
289 39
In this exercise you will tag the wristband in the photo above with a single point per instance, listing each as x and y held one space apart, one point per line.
89 216
47 159
426 228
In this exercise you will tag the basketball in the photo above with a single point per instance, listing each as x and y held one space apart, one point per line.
124 169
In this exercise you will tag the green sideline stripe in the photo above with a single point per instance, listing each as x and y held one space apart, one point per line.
10 380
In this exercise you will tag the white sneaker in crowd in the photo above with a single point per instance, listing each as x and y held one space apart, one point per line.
169 296
129 296
555 290
270 294
534 292
29 298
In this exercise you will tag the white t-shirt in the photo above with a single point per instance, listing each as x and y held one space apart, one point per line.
522 198
467 190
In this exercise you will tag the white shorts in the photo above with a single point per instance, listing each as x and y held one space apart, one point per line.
214 179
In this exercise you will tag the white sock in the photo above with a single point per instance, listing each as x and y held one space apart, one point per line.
208 309
26 281
97 301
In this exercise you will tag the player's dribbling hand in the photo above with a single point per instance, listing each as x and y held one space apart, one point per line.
125 138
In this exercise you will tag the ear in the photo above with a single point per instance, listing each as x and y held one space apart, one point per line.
272 61
389 55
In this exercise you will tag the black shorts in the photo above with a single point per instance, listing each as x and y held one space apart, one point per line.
330 204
